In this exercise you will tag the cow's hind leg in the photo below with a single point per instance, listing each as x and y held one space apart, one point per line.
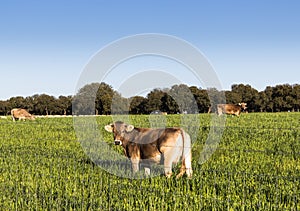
182 170
168 160
188 165
172 155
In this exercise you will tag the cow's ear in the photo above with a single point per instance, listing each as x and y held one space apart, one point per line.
109 128
129 128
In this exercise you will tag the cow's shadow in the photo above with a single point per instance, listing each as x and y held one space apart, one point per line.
124 167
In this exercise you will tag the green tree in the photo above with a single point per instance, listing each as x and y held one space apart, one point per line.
154 100
245 93
17 102
169 105
97 98
120 105
184 98
202 99
84 101
296 97
215 97
64 105
138 105
268 104
44 104
104 98
282 97
29 101
261 102
233 97
4 107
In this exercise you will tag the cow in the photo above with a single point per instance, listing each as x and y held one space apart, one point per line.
153 146
231 108
21 114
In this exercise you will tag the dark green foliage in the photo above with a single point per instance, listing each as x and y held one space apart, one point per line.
100 98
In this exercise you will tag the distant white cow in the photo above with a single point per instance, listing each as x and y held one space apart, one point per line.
21 114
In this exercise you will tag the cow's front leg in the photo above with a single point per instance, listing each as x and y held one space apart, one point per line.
168 160
146 165
135 156
168 171
135 164
147 171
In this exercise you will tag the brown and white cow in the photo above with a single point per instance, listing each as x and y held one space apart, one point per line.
231 108
21 114
153 146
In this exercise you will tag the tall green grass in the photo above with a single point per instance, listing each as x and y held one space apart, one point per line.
256 167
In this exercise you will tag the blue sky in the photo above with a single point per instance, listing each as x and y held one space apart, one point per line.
44 45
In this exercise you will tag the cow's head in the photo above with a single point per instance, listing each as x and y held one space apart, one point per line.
31 117
243 105
120 131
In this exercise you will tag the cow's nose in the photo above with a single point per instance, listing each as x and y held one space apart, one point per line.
118 142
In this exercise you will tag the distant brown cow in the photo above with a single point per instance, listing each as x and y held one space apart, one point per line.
21 114
149 146
231 108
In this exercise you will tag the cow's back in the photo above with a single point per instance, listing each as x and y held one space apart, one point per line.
229 109
233 109
20 113
158 136
153 141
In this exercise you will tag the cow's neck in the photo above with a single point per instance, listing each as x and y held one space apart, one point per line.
129 137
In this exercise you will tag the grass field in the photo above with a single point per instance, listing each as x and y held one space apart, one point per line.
256 167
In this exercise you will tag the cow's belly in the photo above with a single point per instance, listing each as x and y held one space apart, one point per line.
153 159
150 154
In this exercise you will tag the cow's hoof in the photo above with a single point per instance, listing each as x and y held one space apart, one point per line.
179 175
168 175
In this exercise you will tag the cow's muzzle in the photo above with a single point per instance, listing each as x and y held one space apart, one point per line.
118 142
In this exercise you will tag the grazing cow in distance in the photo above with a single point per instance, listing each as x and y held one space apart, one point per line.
153 146
231 108
21 114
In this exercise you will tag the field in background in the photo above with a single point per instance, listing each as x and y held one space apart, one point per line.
257 166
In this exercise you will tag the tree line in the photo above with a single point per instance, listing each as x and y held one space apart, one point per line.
102 99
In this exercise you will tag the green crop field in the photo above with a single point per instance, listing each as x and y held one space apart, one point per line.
255 167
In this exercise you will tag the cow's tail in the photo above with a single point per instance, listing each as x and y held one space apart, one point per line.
186 155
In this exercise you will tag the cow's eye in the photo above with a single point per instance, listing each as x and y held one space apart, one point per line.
121 133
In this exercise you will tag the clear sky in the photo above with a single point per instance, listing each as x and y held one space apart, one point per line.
44 45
